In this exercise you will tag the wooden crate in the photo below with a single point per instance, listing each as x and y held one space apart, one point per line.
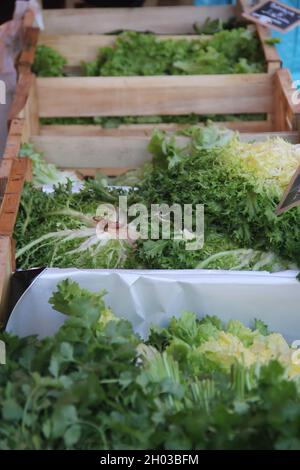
87 151
78 35
88 148
116 150
13 173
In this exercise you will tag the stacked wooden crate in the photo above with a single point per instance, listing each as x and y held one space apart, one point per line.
78 37
88 148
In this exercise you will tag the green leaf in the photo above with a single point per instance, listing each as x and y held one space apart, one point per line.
11 410
46 428
62 418
72 435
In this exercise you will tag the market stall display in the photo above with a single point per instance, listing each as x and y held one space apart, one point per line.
123 337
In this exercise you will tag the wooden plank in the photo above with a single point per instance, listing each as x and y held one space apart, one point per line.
19 168
12 196
290 136
91 172
11 152
241 7
16 127
6 167
77 48
15 185
27 55
31 110
283 80
270 52
14 139
143 129
21 95
6 266
93 152
278 116
162 20
8 213
165 95
109 152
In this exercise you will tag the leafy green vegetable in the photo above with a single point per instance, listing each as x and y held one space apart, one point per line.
45 173
272 41
241 55
48 62
210 26
240 198
188 119
95 385
239 184
59 229
235 51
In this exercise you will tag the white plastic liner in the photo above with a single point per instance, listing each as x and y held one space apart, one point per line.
152 297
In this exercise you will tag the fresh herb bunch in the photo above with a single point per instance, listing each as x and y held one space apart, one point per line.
235 51
96 385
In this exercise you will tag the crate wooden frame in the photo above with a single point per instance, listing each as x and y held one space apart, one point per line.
114 151
90 146
107 153
77 47
78 34
14 171
125 153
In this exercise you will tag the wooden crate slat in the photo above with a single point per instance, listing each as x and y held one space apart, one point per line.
21 94
91 172
109 152
16 127
8 213
143 129
27 55
12 148
12 195
283 81
15 185
270 52
6 268
78 48
14 138
174 95
162 20
84 152
6 167
290 136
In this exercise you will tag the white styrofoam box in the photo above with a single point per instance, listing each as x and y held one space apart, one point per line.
152 297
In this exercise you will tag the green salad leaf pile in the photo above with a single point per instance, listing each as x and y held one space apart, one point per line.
239 184
235 51
195 384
